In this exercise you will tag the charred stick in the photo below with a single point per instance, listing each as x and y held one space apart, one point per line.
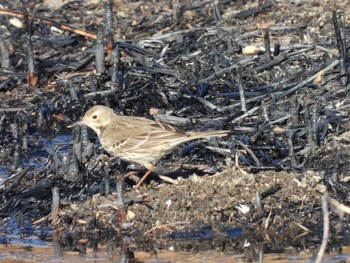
209 104
279 95
335 170
71 164
115 61
326 226
248 113
32 74
270 64
267 44
252 11
21 175
264 109
271 191
295 111
120 199
106 178
50 22
55 204
216 11
2 118
100 54
92 84
338 23
72 92
250 152
109 27
4 54
259 204
276 50
311 115
241 92
291 152
216 75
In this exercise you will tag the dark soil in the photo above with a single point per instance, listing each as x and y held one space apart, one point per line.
186 64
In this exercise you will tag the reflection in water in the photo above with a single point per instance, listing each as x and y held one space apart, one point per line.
39 154
28 244
124 251
24 242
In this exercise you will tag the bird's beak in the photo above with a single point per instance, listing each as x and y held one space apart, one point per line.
75 124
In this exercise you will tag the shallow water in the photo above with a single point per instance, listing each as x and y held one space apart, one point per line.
52 252
37 156
36 244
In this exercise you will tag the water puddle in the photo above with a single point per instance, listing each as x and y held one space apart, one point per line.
27 243
39 150
52 252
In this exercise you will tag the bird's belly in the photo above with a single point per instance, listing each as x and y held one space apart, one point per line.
147 158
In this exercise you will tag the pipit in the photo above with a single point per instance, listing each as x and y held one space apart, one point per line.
136 139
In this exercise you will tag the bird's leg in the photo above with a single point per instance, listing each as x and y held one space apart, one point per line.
143 178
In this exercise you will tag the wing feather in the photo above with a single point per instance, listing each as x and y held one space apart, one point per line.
142 134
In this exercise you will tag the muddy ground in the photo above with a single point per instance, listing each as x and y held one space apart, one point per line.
196 65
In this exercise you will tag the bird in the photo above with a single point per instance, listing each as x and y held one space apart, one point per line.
137 139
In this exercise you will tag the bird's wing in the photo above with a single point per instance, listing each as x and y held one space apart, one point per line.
150 134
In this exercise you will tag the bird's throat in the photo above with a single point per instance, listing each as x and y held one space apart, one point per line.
100 130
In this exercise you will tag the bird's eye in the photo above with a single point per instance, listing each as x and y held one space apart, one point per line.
94 116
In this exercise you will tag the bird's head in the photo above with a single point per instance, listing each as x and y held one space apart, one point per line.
97 118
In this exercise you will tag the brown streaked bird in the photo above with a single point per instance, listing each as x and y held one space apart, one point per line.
136 139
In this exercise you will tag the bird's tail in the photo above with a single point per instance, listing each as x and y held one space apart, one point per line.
207 134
